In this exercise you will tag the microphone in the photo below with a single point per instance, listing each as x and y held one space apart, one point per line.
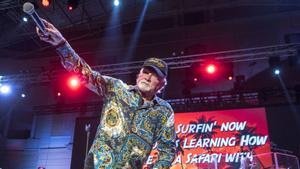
29 9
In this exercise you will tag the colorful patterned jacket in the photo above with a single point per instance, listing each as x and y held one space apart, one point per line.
128 127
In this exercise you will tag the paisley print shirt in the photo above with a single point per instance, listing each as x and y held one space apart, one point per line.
129 127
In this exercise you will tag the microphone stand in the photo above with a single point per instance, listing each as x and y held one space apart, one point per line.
88 131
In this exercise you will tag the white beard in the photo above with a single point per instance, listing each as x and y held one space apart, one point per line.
144 86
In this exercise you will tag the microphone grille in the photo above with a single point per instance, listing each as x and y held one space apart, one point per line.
28 8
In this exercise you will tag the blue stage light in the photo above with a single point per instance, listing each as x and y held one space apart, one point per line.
116 2
5 89
25 19
276 71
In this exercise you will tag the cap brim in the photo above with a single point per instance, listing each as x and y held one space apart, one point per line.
158 72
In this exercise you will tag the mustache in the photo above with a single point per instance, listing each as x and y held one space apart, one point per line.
144 81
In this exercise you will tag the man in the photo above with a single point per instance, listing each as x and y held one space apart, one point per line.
133 118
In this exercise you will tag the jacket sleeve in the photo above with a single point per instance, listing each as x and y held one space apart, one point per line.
91 79
166 141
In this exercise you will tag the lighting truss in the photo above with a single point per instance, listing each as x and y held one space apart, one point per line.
203 102
178 62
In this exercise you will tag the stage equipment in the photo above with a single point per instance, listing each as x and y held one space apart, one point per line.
88 132
72 4
182 62
275 65
46 3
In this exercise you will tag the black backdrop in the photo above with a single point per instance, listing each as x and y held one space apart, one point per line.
80 139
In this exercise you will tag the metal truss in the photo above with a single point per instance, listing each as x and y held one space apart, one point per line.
178 62
199 102
204 101
8 4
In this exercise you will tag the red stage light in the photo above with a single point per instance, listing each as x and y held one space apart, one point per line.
46 3
70 8
58 94
210 68
72 4
73 82
230 77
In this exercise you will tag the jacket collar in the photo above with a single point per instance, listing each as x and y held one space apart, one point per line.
155 100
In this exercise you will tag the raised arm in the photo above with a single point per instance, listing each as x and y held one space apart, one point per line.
72 62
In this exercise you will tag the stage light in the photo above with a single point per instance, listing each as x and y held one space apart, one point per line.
23 95
25 19
5 89
275 64
46 3
193 73
70 8
72 4
73 82
276 71
227 70
210 68
58 94
116 2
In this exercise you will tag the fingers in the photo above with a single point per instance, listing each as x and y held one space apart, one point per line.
47 24
41 33
38 31
43 36
50 34
50 31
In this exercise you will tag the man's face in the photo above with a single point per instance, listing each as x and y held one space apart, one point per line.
148 82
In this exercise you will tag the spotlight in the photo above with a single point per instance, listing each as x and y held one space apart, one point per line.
275 65
5 89
25 19
58 94
210 69
227 70
70 8
72 4
276 71
23 95
73 82
116 2
193 73
46 3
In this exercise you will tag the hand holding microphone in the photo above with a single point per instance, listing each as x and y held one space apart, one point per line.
51 34
45 30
